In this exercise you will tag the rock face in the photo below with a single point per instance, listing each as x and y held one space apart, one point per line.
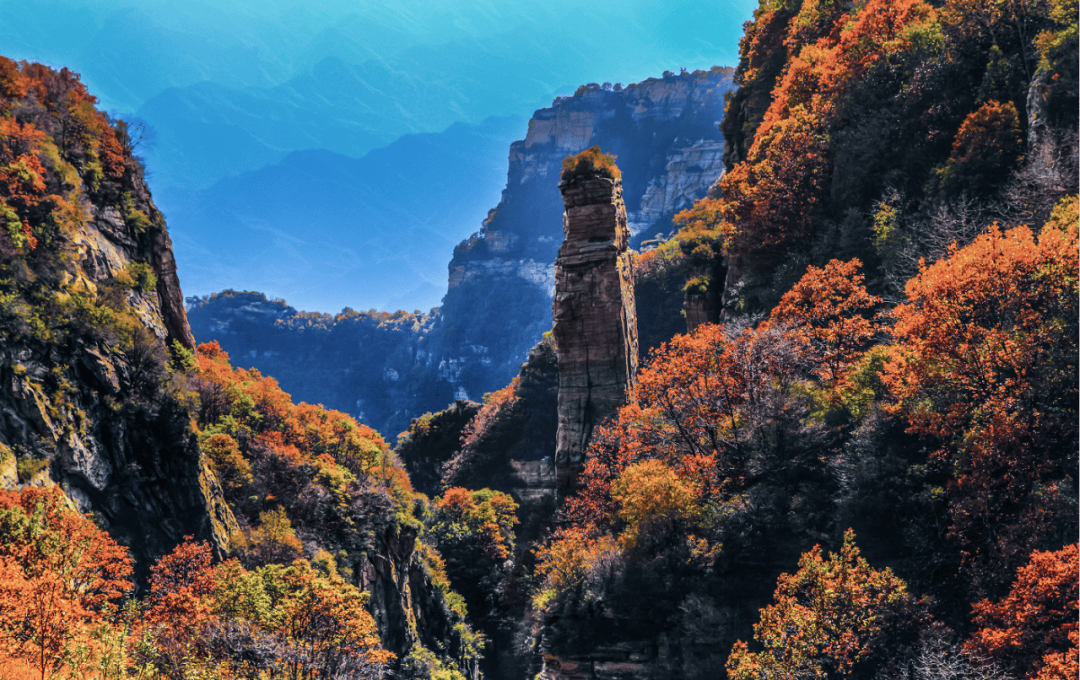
385 370
595 318
92 414
665 136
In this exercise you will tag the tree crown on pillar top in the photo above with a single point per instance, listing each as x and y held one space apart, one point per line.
591 162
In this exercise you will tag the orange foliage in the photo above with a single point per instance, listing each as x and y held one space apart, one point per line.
180 612
590 162
300 432
985 361
13 84
698 406
1033 630
60 577
296 619
567 562
986 147
772 195
828 310
81 127
475 525
273 541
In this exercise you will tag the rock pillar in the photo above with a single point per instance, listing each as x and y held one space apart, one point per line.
595 320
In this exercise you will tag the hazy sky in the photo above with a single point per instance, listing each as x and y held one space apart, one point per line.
231 87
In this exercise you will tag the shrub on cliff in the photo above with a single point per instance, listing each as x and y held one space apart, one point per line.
591 162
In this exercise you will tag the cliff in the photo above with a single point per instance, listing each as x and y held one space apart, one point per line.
373 365
90 305
104 397
388 369
664 133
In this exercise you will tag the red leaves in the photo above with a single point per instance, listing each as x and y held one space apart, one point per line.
987 146
771 197
985 362
1033 630
59 574
830 310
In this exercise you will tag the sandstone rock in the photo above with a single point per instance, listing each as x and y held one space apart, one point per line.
595 318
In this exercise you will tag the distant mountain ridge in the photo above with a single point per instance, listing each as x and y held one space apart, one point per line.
371 232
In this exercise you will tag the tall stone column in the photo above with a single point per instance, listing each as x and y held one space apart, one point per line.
595 320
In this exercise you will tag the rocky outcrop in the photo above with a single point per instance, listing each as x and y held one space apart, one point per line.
501 280
664 133
595 318
509 448
97 413
407 605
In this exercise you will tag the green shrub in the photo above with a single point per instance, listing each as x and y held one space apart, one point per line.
28 467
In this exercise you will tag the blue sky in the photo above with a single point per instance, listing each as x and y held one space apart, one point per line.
232 88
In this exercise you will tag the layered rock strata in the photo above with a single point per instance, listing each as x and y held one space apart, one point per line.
595 318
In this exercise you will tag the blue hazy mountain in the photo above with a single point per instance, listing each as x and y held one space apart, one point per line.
331 231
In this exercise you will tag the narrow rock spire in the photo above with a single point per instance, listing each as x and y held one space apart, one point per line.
595 320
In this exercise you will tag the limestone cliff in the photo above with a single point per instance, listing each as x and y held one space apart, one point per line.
388 369
90 305
595 317
665 136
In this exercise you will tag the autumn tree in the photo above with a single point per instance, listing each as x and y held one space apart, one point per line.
588 163
830 310
1032 631
174 630
63 577
651 497
280 621
273 540
832 618
985 363
571 568
987 146
474 532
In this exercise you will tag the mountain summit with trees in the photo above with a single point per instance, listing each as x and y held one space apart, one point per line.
856 456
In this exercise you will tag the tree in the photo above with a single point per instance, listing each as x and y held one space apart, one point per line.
649 496
830 310
987 146
176 623
1032 631
985 362
62 576
323 620
591 162
831 618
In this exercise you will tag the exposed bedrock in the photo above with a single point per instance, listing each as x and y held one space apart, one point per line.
595 319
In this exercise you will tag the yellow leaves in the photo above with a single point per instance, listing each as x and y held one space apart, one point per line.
590 162
569 564
829 616
308 622
650 493
226 460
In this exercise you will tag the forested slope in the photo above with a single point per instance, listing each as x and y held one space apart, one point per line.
162 514
892 256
